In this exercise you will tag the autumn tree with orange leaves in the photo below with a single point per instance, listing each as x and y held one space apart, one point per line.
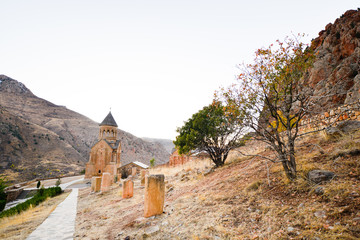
272 98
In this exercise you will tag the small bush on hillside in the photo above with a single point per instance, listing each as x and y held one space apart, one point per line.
58 182
38 184
41 196
152 162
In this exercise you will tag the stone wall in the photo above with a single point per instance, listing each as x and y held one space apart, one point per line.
331 117
177 159
13 194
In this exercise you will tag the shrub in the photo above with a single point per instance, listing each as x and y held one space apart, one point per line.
39 197
2 193
41 191
58 182
38 184
152 162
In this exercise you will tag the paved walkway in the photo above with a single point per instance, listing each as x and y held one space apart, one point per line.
61 222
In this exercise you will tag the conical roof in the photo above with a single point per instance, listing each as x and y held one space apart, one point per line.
109 121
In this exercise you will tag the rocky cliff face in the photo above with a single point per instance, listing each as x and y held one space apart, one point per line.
41 139
336 70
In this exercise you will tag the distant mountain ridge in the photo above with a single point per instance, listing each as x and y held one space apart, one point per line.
40 139
167 143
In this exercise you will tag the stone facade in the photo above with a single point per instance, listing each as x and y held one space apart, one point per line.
128 169
154 195
134 171
105 154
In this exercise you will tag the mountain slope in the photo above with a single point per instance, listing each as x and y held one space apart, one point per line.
166 143
74 132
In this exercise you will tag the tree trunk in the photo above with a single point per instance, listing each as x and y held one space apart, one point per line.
217 160
289 166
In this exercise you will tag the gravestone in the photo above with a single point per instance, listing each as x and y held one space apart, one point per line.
95 184
128 189
154 195
143 173
105 182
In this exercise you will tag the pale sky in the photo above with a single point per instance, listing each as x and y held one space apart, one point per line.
154 63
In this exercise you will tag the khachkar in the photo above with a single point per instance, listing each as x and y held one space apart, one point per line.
154 195
105 154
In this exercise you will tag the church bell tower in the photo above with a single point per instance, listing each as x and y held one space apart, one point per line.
108 129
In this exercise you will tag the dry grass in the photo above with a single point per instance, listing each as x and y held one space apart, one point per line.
20 226
191 165
240 200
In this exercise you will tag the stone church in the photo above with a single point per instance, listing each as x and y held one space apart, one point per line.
105 154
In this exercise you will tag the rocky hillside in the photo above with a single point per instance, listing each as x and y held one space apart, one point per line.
168 144
245 199
41 139
337 66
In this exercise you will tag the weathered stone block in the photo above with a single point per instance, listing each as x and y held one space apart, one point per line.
154 195
143 174
95 184
128 189
105 182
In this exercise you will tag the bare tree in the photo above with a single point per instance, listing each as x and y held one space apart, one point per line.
271 96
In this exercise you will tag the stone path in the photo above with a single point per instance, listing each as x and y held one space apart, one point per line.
61 222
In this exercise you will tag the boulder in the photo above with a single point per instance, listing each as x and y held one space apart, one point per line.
332 132
348 126
320 176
